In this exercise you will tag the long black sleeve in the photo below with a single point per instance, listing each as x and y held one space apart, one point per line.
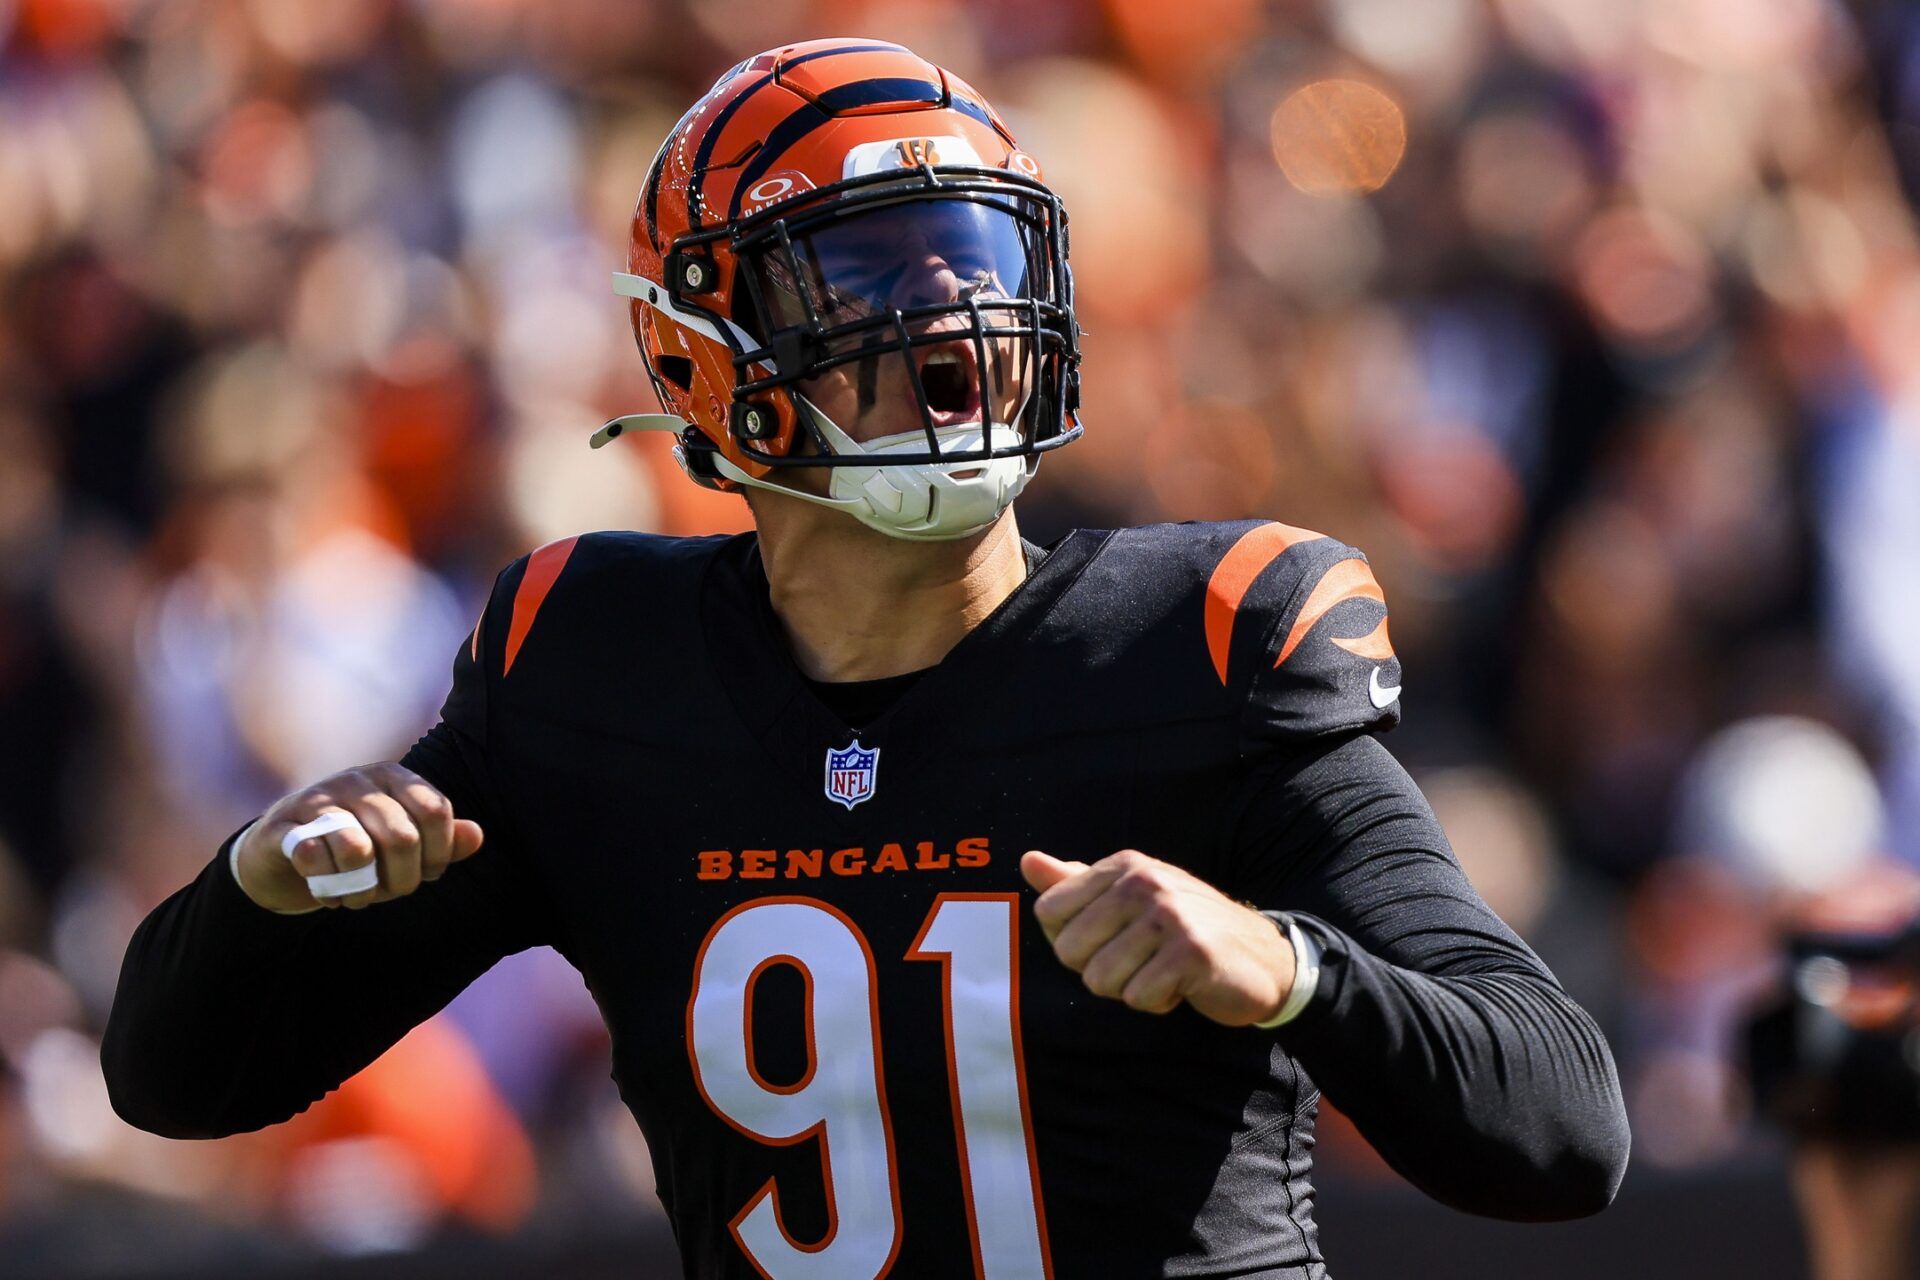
229 1017
1433 1026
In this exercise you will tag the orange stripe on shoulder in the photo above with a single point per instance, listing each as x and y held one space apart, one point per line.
1234 575
543 569
1373 645
1347 580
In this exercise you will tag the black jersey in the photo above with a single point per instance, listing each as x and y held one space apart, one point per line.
848 1043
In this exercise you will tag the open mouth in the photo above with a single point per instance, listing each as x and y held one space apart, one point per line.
949 375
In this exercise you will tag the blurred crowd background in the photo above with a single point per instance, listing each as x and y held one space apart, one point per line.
1613 370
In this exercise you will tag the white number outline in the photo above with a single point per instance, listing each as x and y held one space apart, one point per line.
1009 1245
1010 1250
768 1192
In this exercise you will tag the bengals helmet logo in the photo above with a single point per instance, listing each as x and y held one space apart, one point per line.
915 152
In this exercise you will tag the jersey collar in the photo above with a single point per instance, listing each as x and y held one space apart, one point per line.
770 696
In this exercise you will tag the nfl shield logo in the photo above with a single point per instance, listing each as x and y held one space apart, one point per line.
850 773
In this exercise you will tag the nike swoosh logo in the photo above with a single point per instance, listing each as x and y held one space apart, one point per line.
1382 697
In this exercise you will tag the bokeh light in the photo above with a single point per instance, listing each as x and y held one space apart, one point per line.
1336 137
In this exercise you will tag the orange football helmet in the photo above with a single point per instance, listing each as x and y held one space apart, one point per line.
837 230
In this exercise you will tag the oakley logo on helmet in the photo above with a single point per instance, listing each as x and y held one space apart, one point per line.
771 191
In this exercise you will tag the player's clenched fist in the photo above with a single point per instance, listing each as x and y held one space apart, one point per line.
1146 932
384 815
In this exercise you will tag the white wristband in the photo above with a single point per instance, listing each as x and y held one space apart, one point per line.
1306 976
233 852
233 865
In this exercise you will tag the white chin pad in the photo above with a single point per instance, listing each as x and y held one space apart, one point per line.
931 501
916 501
335 884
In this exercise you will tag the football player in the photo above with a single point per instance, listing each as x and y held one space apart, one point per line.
958 906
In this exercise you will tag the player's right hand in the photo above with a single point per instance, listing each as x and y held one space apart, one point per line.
404 823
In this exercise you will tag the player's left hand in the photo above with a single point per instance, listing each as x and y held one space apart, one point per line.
1144 931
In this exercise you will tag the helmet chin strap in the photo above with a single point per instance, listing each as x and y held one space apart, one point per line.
916 502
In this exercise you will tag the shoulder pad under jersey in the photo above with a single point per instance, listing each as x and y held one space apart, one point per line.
573 614
1297 620
1279 630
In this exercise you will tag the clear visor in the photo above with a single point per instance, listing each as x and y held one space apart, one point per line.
929 312
918 253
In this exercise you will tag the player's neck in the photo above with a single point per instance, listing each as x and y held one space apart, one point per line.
857 605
